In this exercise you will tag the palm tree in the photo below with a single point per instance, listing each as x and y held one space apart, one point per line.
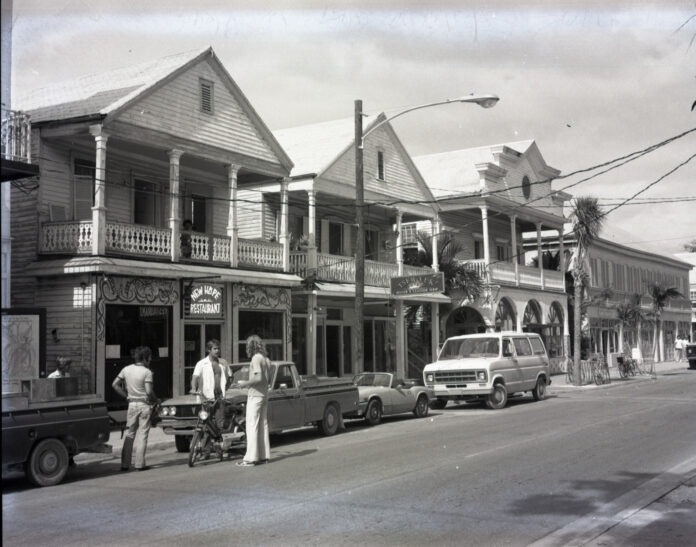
630 315
457 276
549 260
587 223
660 296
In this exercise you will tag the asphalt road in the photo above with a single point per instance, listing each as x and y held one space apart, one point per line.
557 472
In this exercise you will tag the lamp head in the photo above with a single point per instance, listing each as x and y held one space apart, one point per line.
484 101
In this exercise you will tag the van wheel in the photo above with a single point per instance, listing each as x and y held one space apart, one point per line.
539 391
48 463
497 399
331 420
373 413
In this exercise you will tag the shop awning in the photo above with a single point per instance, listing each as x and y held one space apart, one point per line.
166 270
347 290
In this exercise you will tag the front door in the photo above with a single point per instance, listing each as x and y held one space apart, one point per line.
128 327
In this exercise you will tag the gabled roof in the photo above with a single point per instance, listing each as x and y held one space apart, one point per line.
315 147
455 172
102 93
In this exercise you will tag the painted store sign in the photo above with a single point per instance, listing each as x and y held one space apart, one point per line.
206 300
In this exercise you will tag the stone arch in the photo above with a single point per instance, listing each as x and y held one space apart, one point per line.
532 317
464 320
553 331
505 315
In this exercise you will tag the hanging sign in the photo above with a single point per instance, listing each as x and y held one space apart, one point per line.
416 284
206 300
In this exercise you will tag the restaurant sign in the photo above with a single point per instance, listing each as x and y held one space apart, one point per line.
416 284
206 300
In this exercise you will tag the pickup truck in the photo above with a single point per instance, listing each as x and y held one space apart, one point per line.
42 433
293 401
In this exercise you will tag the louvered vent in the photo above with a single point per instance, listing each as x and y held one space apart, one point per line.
207 96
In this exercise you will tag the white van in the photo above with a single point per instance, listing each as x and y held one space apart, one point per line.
488 367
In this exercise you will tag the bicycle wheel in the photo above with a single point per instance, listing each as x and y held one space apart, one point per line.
196 450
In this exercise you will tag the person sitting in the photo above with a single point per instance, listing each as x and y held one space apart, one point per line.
62 368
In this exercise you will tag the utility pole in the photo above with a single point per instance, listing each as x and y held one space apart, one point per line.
358 358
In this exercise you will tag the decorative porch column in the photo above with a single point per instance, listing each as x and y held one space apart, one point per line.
284 236
311 233
435 232
399 247
400 343
99 208
312 322
515 258
562 267
540 256
175 203
486 244
232 220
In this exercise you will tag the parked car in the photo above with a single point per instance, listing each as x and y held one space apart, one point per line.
690 352
383 394
489 367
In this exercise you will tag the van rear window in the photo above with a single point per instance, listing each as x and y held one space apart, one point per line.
537 346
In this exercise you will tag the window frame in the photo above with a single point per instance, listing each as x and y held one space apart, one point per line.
86 163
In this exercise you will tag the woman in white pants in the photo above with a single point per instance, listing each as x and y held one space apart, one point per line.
258 444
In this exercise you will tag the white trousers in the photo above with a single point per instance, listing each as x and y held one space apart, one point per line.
258 443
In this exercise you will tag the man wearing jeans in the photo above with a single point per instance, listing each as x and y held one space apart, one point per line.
137 379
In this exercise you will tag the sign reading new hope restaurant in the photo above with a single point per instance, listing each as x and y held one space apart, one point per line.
206 300
415 284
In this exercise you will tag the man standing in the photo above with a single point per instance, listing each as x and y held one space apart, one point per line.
134 383
211 374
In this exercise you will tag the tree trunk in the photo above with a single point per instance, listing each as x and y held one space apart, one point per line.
621 338
639 342
663 356
577 329
656 347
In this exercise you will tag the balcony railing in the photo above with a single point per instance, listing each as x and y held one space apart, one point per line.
16 136
504 273
341 269
75 237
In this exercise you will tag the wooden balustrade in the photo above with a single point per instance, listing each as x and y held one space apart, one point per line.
260 253
138 240
73 237
16 136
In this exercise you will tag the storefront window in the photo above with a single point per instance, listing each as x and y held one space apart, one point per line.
266 324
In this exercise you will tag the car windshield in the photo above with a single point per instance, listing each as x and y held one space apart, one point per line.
470 347
239 372
371 379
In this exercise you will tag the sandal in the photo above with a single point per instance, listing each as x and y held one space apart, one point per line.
245 463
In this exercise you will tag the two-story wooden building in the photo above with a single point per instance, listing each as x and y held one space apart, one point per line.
101 242
323 233
488 197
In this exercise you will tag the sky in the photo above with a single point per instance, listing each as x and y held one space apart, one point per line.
590 82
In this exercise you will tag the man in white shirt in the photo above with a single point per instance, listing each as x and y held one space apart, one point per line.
211 374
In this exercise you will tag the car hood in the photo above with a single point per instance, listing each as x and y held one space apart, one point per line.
458 364
234 395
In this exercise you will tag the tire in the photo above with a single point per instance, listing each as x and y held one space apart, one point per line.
182 442
373 414
48 463
497 399
422 407
539 391
331 420
438 404
196 448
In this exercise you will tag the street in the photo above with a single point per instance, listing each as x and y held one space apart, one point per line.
553 472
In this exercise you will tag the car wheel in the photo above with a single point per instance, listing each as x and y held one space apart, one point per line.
422 407
182 442
539 391
438 404
331 420
48 463
497 399
373 414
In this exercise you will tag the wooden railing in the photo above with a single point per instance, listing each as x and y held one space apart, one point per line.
341 269
16 136
138 240
66 237
504 272
258 252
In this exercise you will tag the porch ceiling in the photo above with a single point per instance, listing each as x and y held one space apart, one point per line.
381 293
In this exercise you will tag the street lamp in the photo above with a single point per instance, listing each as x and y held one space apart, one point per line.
484 101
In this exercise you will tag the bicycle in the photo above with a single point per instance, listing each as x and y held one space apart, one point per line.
600 372
627 366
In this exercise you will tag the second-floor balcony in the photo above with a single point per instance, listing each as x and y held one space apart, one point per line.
505 273
152 243
16 146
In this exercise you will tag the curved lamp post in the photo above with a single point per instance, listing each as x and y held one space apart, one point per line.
484 101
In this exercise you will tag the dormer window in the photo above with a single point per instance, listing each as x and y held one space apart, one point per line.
206 96
380 165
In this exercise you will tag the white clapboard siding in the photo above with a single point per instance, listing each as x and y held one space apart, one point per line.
175 109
